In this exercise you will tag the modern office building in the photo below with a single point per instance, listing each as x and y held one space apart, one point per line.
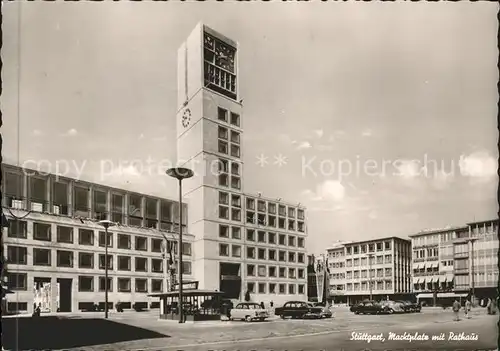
475 260
433 264
242 241
55 251
380 266
336 263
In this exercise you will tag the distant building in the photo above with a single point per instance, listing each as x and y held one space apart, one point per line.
382 263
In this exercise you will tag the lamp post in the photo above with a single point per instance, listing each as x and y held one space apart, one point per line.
473 293
180 174
370 256
106 224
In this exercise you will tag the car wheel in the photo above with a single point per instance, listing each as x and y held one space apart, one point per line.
356 312
390 311
248 319
282 316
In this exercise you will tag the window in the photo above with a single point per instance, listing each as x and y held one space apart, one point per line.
60 198
291 257
262 254
223 231
102 284
261 271
223 212
235 119
251 252
301 289
379 246
117 208
141 285
300 258
223 250
300 242
221 114
141 264
271 221
17 229
102 239
17 255
135 214
223 198
186 249
291 273
250 235
223 147
38 194
223 173
261 237
85 260
151 213
271 237
291 241
301 273
156 285
64 235
41 257
17 281
251 287
102 260
124 284
141 243
250 204
272 255
235 214
261 219
81 201
387 245
235 168
100 204
124 241
156 245
282 239
157 265
282 256
42 232
236 250
250 270
282 272
236 233
86 237
282 288
235 183
272 271
291 289
64 258
272 288
300 214
223 133
124 263
291 212
262 288
235 200
85 284
250 217
300 227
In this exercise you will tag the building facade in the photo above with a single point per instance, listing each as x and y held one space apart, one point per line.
54 246
378 268
243 241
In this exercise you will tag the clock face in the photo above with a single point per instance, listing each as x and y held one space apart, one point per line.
186 118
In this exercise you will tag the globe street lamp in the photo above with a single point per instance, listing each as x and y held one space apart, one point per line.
180 173
106 224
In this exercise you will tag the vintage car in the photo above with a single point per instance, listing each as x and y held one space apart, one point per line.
298 309
367 307
325 312
409 306
248 311
391 307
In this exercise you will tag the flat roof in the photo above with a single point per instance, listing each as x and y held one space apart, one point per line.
189 292
483 222
372 240
438 230
278 200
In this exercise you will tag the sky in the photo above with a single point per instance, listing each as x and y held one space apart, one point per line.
380 118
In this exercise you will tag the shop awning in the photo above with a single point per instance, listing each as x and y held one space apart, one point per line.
449 277
418 281
430 280
425 296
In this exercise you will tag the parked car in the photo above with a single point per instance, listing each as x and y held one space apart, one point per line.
367 307
297 309
391 307
323 313
248 311
407 306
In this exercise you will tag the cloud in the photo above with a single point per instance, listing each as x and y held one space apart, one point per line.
304 145
367 133
319 133
70 132
478 165
331 190
141 136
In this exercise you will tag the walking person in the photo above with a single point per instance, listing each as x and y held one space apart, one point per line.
467 308
456 309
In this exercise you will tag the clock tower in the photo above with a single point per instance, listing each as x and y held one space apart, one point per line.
209 133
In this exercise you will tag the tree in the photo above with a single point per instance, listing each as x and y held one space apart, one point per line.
247 296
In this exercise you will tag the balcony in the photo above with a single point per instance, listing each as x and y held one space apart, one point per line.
461 270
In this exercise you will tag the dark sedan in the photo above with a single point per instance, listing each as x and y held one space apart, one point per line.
298 309
367 307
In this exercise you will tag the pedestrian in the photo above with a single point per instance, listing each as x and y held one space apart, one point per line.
262 305
467 309
271 303
456 309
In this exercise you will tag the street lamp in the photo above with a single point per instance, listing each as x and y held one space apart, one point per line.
370 256
180 173
473 293
106 224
